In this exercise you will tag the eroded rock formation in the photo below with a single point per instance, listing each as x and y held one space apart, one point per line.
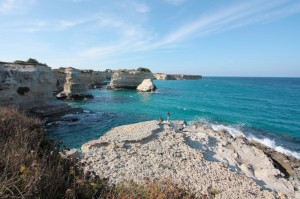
147 86
89 78
74 89
128 79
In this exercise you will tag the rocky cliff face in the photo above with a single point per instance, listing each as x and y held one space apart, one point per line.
26 86
128 79
161 76
88 78
74 87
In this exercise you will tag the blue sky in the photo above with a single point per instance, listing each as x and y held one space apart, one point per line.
212 38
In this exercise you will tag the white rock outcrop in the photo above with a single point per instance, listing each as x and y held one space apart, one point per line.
74 88
88 78
197 158
128 79
147 86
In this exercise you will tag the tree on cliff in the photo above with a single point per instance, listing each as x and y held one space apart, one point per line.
32 61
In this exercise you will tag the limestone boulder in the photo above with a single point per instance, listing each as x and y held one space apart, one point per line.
147 86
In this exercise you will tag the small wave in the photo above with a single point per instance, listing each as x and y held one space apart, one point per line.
235 132
272 144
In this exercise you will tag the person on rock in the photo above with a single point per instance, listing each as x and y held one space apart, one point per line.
169 115
161 120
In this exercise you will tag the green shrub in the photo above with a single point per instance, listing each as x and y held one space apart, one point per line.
143 69
29 61
32 61
19 62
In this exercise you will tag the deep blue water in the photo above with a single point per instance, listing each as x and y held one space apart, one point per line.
259 107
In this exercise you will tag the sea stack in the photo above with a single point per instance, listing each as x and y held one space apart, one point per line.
129 79
147 86
73 88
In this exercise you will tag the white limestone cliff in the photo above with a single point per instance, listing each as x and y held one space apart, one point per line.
162 76
26 85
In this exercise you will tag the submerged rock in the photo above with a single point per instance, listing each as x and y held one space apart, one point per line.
147 86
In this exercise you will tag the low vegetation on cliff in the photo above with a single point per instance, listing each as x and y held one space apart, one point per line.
29 61
32 167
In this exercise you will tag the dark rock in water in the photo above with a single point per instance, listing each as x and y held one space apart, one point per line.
54 112
70 119
78 97
61 96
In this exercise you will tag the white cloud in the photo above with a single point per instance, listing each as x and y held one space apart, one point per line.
14 6
175 2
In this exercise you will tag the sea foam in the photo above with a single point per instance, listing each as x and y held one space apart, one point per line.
235 132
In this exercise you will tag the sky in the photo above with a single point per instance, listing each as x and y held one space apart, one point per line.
211 38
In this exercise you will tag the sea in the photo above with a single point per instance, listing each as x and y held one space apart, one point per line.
266 110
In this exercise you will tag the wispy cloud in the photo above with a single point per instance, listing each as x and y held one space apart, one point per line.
14 6
231 17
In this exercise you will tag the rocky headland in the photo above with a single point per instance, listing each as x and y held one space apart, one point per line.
202 160
162 76
31 87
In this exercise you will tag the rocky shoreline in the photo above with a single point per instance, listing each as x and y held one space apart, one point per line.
195 157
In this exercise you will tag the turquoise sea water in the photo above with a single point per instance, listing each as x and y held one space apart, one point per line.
264 109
